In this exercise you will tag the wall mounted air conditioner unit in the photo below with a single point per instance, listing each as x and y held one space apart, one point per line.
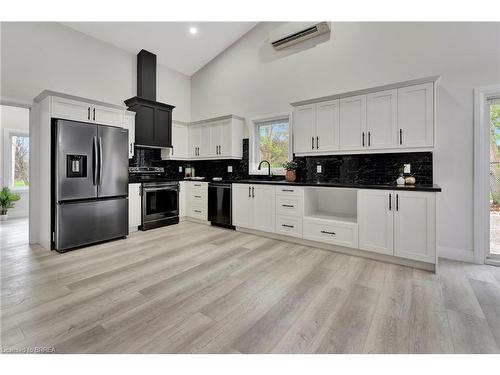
296 32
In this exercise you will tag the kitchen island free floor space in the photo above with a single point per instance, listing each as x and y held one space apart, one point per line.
192 288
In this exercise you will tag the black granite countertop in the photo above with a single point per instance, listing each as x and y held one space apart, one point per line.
417 187
428 188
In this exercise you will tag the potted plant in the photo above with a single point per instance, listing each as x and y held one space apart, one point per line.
290 167
7 199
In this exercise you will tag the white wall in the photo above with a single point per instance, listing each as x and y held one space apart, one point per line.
16 119
250 79
37 56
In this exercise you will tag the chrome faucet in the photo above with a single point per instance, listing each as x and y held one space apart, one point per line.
268 167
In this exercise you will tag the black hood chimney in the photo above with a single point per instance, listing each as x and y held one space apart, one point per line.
153 120
146 75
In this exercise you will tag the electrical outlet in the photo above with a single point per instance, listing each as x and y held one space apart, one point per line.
180 168
407 168
229 168
319 169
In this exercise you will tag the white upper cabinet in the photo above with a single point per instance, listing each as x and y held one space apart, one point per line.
68 109
353 123
416 116
382 119
375 220
415 226
194 133
304 119
180 149
388 118
107 115
216 139
327 126
129 124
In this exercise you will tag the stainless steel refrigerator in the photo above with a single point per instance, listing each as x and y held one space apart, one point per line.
90 183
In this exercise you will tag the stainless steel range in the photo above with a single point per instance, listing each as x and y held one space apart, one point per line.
160 197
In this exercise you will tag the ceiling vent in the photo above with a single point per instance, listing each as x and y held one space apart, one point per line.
296 32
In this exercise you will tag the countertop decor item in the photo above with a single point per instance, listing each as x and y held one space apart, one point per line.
401 179
7 199
291 168
410 180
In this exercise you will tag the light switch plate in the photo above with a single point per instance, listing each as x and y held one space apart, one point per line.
180 168
319 169
407 168
230 168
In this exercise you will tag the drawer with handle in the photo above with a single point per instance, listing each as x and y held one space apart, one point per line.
297 191
291 206
199 196
198 211
333 232
289 225
198 186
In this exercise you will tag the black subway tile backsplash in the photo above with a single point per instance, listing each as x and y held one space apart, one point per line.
361 168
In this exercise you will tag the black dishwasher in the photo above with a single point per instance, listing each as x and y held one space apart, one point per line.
219 204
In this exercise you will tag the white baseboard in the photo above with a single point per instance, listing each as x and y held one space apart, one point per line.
452 253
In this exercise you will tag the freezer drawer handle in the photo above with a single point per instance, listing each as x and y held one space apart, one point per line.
288 205
326 232
287 226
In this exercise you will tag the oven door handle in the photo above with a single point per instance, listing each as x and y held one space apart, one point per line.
159 189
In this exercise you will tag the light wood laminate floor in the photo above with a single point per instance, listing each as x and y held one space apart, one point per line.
191 288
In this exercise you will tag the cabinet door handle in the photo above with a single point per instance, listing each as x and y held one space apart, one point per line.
390 202
197 211
312 143
197 196
93 110
287 205
288 190
369 139
287 226
131 145
220 149
363 142
326 232
197 185
317 142
400 136
249 192
397 202
253 192
88 113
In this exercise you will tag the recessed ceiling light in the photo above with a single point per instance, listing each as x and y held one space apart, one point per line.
193 30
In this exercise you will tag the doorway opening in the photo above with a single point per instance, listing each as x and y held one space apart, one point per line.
14 174
493 109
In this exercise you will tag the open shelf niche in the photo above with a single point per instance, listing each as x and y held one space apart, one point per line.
335 204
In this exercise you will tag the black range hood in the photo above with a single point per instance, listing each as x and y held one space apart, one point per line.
153 120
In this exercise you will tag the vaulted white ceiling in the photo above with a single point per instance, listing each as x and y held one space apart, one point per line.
172 42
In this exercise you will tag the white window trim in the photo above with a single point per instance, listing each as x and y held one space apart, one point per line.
7 156
253 162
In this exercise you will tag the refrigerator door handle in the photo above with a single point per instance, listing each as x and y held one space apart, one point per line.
94 160
100 160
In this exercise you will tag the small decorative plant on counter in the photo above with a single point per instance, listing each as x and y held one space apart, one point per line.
7 199
291 168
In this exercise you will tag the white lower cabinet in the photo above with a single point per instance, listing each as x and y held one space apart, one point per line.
415 226
400 223
375 219
289 225
182 198
254 207
196 194
134 206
